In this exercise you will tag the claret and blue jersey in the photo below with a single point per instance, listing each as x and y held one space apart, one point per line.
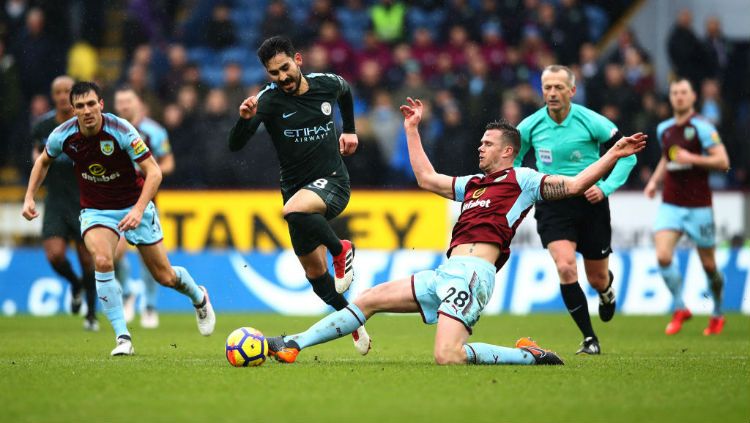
104 162
493 206
155 136
686 185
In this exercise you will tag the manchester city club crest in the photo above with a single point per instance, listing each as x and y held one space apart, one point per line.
689 133
326 108
108 147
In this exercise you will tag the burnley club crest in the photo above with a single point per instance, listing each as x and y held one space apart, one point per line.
108 147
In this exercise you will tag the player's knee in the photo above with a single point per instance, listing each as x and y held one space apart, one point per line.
292 214
446 355
709 267
56 257
366 301
103 263
598 279
663 258
567 270
314 270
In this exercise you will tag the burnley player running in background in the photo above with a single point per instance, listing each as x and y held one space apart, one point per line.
297 111
129 106
691 147
115 201
60 223
493 205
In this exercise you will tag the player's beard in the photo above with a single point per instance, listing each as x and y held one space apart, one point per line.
296 83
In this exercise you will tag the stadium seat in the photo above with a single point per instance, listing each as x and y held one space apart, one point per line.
213 75
202 56
253 73
235 54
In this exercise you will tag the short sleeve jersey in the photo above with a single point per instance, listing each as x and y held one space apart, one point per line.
302 129
569 147
493 206
155 137
104 162
684 184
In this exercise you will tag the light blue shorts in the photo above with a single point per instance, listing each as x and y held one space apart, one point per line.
459 289
696 222
147 233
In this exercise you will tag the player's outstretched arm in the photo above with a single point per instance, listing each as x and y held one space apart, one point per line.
557 187
246 125
427 178
38 173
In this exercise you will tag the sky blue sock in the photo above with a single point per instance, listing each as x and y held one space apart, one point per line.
335 325
150 289
110 296
479 353
122 274
187 286
673 280
716 285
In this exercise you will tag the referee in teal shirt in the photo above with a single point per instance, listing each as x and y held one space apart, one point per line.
566 138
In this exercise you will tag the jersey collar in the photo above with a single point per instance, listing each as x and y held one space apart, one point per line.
564 122
497 173
686 122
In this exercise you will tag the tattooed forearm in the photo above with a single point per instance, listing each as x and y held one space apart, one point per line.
555 190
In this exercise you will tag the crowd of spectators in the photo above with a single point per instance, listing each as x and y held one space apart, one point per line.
471 61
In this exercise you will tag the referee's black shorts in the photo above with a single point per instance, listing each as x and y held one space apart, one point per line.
61 218
575 219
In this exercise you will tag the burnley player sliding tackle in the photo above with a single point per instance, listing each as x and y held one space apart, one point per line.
115 201
454 294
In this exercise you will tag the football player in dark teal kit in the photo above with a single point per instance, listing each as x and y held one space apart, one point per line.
297 112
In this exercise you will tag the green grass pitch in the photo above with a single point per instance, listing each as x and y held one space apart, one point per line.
51 370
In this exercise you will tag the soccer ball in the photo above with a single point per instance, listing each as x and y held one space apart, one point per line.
246 347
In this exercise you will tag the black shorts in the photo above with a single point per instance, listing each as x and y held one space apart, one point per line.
335 191
61 219
575 219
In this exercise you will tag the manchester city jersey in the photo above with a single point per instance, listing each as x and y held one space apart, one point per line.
302 129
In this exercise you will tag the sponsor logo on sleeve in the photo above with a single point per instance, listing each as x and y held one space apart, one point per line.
715 137
138 146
